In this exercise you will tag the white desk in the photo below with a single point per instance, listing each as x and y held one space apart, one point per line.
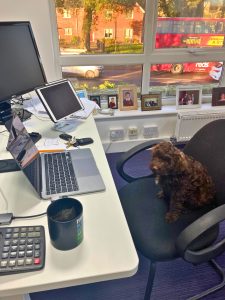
107 251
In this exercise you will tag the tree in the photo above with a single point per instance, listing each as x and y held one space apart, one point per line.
91 8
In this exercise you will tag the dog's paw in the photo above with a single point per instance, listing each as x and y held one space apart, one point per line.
171 217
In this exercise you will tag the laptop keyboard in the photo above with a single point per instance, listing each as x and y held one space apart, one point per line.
60 176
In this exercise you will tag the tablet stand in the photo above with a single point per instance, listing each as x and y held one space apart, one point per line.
66 125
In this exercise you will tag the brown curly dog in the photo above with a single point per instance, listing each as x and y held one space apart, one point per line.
184 181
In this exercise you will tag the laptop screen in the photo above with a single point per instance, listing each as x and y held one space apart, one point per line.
20 144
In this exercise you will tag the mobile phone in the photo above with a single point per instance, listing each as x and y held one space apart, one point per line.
65 136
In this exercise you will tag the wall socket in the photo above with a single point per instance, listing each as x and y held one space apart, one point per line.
116 134
132 132
150 131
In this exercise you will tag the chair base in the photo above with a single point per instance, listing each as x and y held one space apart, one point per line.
151 276
217 287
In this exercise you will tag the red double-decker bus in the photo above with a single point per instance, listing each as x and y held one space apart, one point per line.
189 33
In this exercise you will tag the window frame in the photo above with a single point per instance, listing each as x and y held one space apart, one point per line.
149 56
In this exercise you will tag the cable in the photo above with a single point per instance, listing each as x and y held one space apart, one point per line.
29 217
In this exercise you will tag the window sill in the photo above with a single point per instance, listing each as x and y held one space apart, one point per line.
166 110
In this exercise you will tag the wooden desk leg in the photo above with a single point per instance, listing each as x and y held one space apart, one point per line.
17 297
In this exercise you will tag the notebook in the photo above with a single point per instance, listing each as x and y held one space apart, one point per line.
80 173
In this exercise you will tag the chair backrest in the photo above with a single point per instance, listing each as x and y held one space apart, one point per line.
208 147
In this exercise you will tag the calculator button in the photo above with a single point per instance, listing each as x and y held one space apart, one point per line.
14 248
37 228
5 249
15 235
30 241
20 262
12 254
37 261
23 229
22 242
29 247
28 261
8 230
16 230
6 243
12 263
29 253
14 242
23 234
5 255
21 253
36 253
36 246
21 247
3 263
8 236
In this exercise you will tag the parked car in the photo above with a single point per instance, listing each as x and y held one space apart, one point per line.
216 71
83 71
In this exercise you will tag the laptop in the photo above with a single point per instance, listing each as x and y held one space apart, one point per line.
79 171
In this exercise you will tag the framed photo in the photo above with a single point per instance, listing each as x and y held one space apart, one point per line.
82 94
151 101
113 101
188 97
218 96
128 97
96 99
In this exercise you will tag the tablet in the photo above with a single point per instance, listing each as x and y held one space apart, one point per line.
59 99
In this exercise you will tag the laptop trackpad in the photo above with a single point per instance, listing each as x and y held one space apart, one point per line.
85 167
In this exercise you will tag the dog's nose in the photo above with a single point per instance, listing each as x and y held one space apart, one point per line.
153 168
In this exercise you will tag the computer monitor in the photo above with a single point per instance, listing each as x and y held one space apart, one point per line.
21 69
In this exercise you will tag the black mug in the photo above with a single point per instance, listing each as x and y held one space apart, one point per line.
65 223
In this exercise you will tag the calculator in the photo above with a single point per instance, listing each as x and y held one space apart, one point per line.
22 249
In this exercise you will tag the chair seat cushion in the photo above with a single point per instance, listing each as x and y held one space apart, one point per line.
145 214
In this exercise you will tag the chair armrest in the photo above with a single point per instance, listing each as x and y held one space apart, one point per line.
130 153
194 230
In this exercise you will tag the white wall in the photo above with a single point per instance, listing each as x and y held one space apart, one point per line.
37 12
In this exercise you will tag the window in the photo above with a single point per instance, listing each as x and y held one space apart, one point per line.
108 33
108 14
68 31
129 14
128 33
66 14
179 44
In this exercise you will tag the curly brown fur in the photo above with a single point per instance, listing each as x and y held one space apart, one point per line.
184 181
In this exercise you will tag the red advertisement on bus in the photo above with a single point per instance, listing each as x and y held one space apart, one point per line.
189 33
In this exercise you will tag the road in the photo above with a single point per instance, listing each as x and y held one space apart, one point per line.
132 75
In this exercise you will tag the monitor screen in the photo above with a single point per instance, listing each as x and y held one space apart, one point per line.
20 66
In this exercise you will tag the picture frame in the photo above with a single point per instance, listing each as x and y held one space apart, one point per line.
128 97
218 96
188 97
113 101
151 101
82 94
96 99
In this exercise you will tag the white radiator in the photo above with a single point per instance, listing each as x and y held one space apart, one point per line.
188 123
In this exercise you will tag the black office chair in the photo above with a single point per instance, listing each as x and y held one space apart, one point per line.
193 236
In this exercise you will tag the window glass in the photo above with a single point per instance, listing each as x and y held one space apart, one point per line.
182 24
103 77
94 24
166 77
